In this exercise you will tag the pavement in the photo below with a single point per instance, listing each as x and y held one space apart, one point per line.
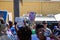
4 37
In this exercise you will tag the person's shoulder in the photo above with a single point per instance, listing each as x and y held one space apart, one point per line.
48 29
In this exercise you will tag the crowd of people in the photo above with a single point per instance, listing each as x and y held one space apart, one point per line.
36 31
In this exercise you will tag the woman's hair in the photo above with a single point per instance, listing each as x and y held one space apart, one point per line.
40 32
15 23
10 23
24 33
38 26
2 21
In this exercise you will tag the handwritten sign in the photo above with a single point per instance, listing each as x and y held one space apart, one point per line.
32 16
19 21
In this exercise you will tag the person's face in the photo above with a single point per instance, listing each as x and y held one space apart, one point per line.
45 25
8 26
40 34
59 25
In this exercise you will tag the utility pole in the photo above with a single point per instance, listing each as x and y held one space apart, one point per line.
16 8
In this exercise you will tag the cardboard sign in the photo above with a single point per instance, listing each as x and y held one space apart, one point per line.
32 16
19 21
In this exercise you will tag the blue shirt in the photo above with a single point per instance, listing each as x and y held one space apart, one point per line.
34 37
13 30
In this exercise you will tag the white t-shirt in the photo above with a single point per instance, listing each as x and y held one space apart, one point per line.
9 33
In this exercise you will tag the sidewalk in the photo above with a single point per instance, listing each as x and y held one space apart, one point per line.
4 38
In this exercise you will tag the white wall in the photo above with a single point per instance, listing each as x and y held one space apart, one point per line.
32 0
10 16
6 0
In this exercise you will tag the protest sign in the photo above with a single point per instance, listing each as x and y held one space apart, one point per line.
19 21
32 16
